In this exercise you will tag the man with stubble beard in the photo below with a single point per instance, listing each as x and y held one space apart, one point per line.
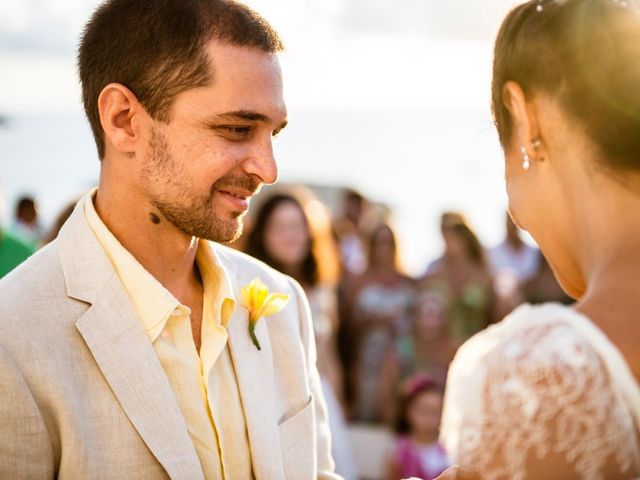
135 345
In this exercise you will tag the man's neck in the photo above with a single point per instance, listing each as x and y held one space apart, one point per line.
166 253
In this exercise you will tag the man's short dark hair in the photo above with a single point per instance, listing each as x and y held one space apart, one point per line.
156 49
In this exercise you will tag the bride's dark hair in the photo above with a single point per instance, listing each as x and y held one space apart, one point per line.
586 55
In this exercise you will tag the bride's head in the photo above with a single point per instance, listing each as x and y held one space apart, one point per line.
566 102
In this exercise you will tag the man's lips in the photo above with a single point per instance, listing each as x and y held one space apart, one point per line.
238 198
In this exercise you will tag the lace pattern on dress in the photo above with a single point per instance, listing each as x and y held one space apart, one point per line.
545 391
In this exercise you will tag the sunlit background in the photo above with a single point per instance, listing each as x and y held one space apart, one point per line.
390 97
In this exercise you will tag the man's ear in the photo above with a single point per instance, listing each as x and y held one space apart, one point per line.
120 115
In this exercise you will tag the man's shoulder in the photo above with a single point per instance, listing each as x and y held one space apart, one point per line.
233 255
246 268
33 301
36 279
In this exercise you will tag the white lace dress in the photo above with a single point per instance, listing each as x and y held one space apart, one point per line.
543 394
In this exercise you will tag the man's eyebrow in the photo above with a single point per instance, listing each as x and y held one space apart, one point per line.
247 115
244 115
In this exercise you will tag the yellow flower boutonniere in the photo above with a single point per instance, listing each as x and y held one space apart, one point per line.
261 303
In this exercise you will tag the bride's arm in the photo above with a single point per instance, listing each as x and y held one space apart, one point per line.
535 402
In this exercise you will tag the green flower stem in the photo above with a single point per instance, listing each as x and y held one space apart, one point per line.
252 332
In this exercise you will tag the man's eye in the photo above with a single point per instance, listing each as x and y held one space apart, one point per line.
235 132
239 130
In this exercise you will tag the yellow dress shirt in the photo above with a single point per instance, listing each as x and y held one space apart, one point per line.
205 385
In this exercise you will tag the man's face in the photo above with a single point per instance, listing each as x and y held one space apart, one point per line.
202 167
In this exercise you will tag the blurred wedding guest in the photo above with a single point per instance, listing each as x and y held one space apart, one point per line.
543 286
13 250
513 263
350 236
464 275
352 240
513 256
426 349
447 220
26 223
378 302
292 234
62 217
285 238
417 452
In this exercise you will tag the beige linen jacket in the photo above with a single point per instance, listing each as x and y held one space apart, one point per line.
83 394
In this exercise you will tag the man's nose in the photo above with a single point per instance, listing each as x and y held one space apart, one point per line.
261 161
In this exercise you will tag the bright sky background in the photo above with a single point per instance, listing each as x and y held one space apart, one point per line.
391 96
341 54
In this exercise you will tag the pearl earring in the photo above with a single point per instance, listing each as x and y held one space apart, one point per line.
526 164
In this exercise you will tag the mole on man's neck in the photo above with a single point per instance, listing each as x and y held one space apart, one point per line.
154 218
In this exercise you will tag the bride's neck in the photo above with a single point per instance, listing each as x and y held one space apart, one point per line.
612 299
606 228
606 232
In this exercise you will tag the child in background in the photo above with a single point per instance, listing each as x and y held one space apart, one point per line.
417 452
426 349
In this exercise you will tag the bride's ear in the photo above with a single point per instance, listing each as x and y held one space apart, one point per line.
523 115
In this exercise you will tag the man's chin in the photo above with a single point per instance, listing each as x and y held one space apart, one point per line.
226 232
233 237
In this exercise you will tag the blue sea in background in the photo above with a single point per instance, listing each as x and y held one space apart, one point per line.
419 163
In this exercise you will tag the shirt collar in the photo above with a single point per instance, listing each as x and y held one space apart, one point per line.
216 281
152 302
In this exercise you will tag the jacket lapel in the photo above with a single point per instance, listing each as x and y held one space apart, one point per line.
123 351
254 373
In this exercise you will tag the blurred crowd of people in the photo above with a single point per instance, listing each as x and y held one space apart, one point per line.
384 339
